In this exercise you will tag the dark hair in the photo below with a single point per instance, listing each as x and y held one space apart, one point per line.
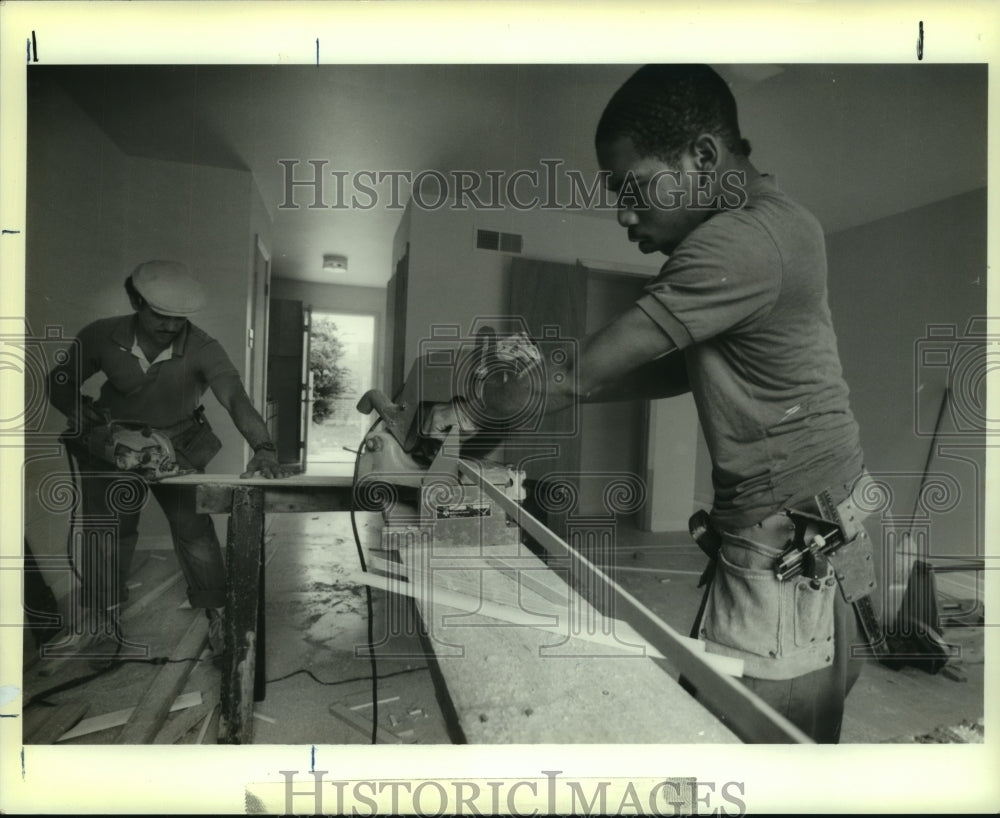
663 108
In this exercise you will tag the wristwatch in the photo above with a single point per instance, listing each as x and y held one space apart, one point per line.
266 446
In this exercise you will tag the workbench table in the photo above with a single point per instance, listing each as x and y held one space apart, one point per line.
246 502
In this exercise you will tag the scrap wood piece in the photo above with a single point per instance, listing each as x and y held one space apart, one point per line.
209 727
149 715
144 601
46 727
363 725
119 717
185 721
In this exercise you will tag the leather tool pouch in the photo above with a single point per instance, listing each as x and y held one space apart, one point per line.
197 444
854 567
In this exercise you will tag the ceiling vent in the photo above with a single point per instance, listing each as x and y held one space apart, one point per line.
498 242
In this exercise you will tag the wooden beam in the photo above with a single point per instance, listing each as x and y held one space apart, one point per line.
116 718
151 712
183 723
746 714
244 560
298 492
518 616
278 498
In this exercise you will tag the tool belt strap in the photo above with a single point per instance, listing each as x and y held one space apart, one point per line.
197 417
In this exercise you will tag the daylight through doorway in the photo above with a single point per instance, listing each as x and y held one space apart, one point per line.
341 370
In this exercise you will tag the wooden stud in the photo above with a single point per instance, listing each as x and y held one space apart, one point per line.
151 712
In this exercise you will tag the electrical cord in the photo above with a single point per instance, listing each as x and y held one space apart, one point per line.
42 696
313 676
74 472
368 589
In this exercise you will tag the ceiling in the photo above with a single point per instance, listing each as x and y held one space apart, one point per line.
854 143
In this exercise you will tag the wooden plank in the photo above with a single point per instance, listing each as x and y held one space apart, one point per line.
46 728
297 480
117 718
518 616
745 713
137 607
244 555
279 496
151 712
525 685
182 724
209 730
526 604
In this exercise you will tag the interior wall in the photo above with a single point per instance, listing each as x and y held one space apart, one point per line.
201 216
452 282
77 183
890 280
93 214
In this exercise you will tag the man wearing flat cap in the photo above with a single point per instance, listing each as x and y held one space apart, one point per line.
158 365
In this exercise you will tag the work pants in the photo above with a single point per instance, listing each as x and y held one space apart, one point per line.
814 702
108 522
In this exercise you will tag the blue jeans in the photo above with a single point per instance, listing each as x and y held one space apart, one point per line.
111 506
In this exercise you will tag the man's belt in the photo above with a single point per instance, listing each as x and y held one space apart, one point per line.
831 538
197 417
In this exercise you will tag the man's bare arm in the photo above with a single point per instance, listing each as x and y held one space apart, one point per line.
229 391
631 357
665 377
629 342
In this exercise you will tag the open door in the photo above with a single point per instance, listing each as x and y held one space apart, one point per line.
257 320
286 365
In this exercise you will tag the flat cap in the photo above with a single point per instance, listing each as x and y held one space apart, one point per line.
169 288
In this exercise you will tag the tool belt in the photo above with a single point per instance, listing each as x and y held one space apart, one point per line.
818 535
194 442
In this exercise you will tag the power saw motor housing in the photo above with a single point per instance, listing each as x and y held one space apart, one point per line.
133 447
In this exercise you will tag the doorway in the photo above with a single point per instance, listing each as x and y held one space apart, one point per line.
342 354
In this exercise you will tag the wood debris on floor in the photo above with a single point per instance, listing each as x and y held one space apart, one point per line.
319 672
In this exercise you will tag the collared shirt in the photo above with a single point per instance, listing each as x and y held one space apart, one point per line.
144 363
161 394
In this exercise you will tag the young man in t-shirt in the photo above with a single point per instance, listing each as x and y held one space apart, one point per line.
738 316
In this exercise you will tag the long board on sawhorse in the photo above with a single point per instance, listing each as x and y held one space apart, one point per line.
537 677
742 711
247 502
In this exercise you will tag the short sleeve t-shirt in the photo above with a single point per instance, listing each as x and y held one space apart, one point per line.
744 297
169 390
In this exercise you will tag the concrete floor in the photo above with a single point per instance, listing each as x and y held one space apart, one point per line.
319 688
